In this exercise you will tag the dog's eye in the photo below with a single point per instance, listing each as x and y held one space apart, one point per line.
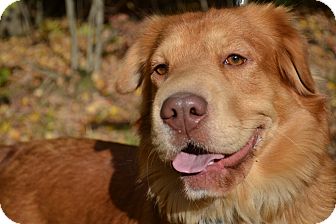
234 59
161 69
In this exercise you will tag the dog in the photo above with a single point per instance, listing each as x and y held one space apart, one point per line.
232 131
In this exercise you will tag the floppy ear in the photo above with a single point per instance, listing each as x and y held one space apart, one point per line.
130 70
292 59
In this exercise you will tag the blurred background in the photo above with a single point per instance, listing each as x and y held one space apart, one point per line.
58 58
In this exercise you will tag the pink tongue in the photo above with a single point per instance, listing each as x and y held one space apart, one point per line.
190 163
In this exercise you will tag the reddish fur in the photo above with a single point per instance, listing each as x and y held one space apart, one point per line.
289 179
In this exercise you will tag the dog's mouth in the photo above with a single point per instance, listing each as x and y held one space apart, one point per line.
194 159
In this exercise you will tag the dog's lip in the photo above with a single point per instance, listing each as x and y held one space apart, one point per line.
192 164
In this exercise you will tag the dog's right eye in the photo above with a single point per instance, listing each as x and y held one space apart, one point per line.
161 69
235 59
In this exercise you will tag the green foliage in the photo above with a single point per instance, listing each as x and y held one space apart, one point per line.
51 26
131 138
4 76
84 30
85 83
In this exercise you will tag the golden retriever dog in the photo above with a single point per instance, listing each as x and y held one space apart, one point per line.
232 131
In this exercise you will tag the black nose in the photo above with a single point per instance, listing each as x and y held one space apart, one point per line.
183 111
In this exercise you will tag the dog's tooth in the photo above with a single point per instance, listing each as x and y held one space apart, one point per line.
259 139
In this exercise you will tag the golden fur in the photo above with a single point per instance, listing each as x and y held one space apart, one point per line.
287 178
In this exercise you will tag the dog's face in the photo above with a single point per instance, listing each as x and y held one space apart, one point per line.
213 100
225 95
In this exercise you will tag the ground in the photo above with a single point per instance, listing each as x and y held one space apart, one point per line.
40 97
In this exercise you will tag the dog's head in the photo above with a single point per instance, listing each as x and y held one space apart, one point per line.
229 106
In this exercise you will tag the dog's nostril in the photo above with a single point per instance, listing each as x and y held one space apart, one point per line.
193 111
169 110
174 113
197 111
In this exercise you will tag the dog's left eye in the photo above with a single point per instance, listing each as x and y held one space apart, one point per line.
235 59
161 69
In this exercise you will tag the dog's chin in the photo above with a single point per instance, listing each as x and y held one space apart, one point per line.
216 175
215 183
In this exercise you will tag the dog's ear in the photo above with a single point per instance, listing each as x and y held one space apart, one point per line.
130 70
292 58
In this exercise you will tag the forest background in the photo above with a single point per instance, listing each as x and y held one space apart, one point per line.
58 59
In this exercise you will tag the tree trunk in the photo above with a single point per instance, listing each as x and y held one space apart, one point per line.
99 30
39 13
26 17
204 5
70 10
90 40
95 42
241 2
